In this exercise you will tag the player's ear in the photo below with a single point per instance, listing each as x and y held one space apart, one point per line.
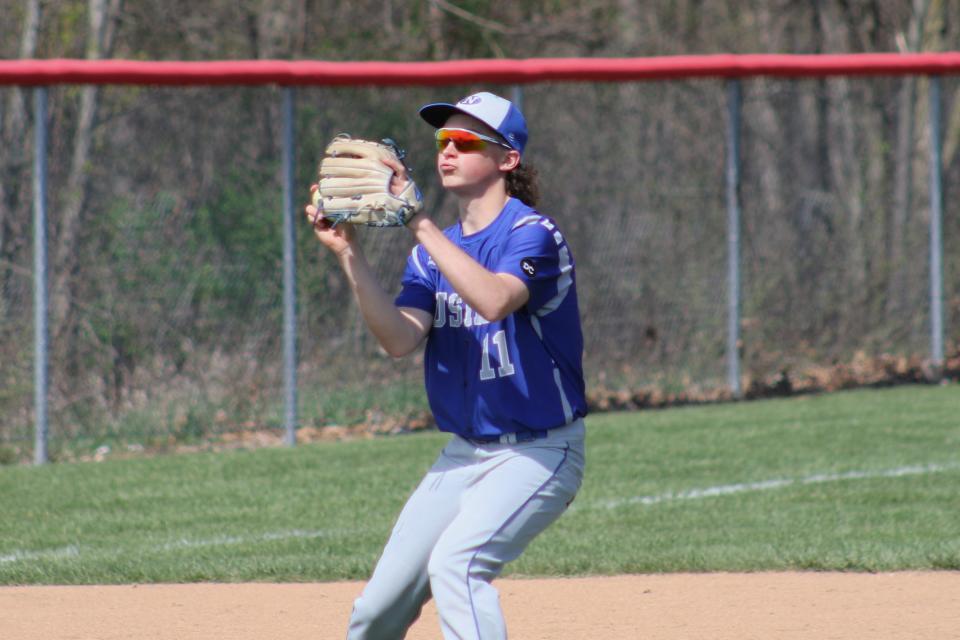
510 160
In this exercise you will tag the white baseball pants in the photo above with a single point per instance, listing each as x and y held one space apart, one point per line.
477 509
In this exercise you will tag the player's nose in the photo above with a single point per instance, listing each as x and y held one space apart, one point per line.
450 148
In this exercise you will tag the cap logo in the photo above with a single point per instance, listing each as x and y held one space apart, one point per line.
470 100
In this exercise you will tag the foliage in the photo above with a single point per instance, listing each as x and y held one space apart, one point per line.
172 283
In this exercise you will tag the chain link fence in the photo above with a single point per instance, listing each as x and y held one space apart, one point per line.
173 326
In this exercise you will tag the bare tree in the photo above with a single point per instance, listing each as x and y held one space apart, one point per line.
14 169
435 31
910 41
103 15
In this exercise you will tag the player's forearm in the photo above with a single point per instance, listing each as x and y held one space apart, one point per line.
395 332
483 290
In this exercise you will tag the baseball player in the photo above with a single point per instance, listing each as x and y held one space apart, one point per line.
494 296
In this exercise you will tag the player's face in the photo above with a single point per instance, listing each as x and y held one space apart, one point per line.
467 172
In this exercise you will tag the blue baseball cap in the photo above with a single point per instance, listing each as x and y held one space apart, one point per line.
499 114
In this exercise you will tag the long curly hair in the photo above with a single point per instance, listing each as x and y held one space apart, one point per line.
522 184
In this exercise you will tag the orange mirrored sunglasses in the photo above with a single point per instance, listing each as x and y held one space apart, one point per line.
465 140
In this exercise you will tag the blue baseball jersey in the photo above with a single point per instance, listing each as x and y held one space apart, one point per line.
524 372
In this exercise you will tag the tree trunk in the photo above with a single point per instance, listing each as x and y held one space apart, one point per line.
951 136
903 169
103 14
435 30
937 27
15 168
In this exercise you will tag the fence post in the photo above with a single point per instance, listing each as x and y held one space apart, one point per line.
40 353
516 96
936 239
289 273
734 101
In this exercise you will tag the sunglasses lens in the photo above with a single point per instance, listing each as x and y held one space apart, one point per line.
462 140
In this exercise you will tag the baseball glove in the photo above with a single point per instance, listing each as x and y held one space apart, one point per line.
354 184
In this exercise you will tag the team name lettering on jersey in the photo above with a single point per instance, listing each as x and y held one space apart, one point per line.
452 311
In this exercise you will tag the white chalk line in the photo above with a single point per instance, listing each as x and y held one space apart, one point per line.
74 551
765 485
222 541
71 551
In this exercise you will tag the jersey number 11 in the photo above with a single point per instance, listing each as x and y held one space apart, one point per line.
506 367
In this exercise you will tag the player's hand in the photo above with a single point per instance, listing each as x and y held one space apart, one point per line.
400 177
399 182
338 239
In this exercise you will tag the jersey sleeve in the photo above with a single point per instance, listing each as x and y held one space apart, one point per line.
419 282
537 254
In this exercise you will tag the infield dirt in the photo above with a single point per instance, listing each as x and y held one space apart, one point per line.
767 606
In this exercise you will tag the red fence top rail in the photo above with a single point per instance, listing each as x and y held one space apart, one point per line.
499 71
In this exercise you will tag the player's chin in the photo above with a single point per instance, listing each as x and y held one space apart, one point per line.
451 181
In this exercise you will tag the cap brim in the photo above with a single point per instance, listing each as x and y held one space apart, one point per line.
436 114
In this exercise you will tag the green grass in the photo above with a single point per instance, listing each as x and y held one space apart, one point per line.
868 481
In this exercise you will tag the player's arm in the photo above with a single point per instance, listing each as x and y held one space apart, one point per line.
493 295
398 330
